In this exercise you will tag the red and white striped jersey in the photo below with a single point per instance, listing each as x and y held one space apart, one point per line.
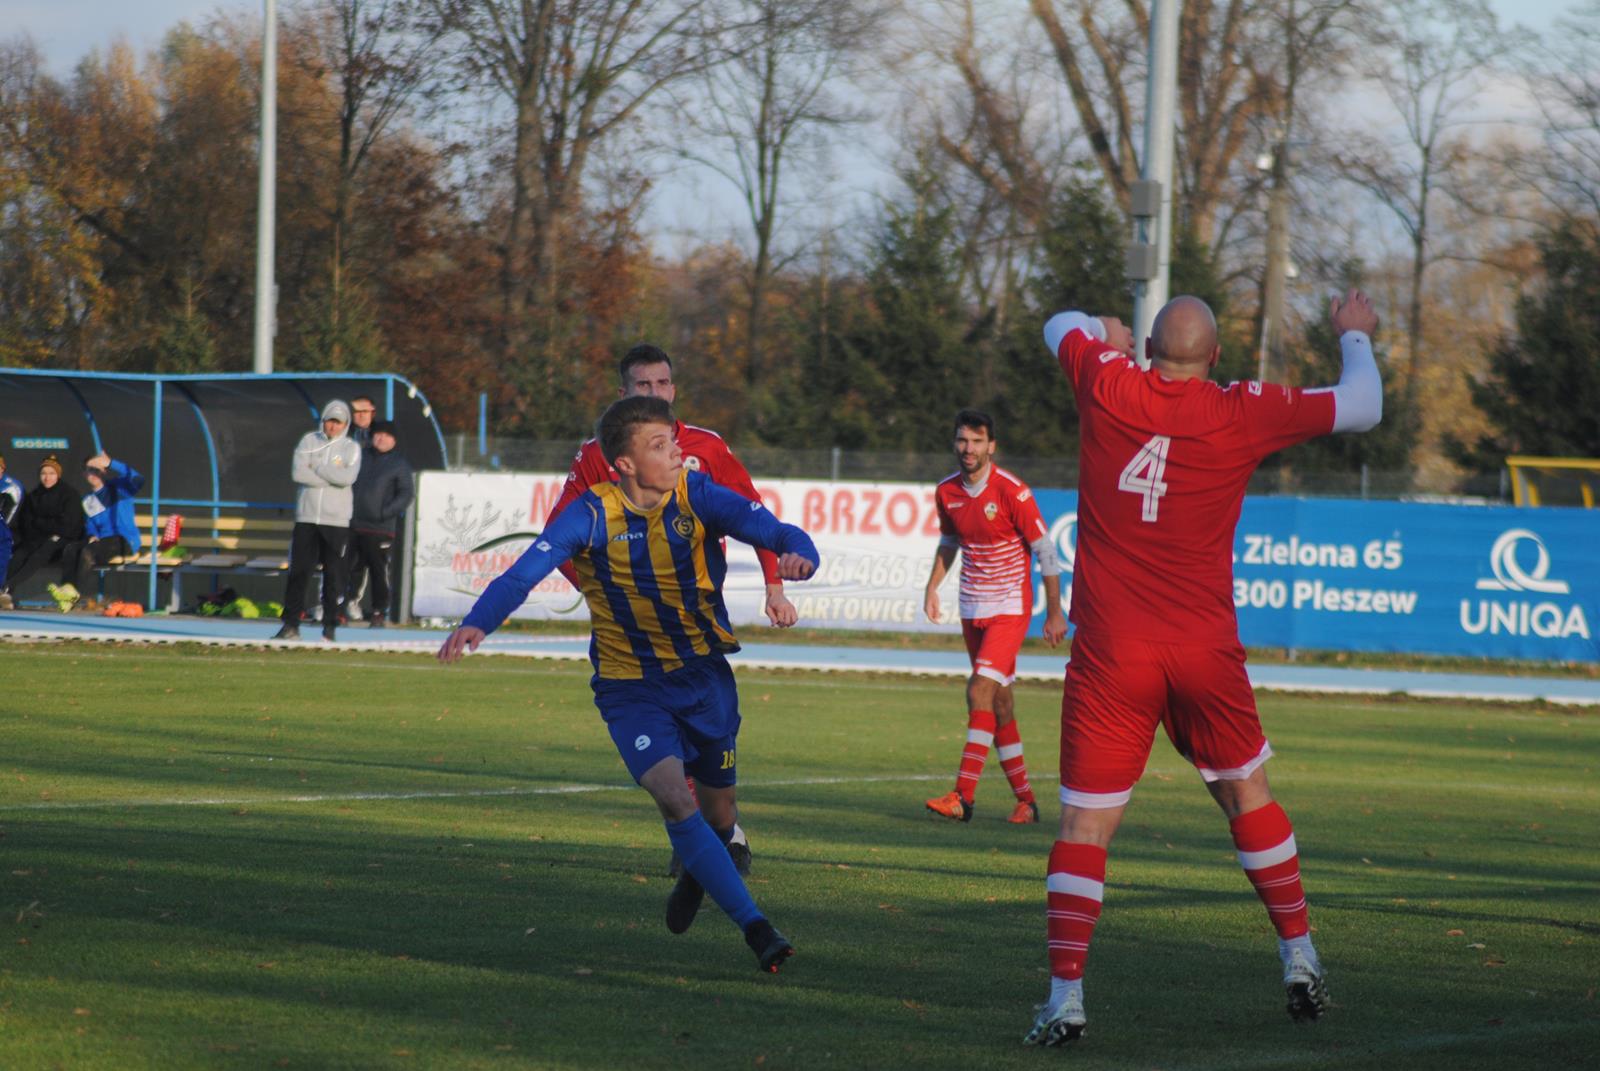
994 525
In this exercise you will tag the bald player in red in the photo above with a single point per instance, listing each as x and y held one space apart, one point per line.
646 371
1164 457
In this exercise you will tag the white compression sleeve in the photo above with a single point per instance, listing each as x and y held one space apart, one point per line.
1044 549
1062 323
1358 397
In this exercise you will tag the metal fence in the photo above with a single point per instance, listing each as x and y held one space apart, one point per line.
467 453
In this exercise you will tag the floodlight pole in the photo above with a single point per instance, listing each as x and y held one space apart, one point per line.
267 192
1160 109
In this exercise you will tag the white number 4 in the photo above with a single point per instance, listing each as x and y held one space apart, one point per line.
1142 475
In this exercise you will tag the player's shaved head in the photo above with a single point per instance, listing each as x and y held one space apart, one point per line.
1184 333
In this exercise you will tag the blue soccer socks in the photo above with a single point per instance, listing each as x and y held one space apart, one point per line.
706 857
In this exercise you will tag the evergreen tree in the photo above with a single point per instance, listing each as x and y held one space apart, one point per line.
915 332
1542 392
1081 254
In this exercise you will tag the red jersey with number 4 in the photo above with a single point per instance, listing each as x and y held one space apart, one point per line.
1163 465
994 526
703 451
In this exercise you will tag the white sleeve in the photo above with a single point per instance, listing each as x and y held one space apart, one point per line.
1064 323
1044 550
1358 396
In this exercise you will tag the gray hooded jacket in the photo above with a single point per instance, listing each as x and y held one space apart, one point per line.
325 468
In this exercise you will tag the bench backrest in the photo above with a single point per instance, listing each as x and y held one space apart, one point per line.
228 532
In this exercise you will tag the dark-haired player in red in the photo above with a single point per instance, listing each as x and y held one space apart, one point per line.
992 518
1164 457
646 372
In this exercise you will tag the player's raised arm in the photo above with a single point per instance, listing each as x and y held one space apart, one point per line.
554 546
1073 337
1358 396
751 522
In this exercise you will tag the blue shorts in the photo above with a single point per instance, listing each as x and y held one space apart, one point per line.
692 712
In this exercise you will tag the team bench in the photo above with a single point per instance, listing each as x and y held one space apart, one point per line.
254 544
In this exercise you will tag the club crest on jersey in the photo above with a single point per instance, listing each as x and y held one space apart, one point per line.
683 524
691 463
990 509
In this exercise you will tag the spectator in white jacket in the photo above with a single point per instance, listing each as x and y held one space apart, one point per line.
326 463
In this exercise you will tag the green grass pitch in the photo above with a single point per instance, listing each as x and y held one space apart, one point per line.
323 859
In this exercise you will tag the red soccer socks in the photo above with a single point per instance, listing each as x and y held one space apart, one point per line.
980 734
1074 887
1265 841
1008 744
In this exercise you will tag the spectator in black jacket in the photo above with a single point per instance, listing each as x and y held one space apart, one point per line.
383 492
51 516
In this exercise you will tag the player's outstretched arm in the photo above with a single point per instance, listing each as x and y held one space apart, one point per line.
555 545
1358 396
751 522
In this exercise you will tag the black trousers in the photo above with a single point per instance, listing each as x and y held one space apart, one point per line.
25 561
310 544
370 551
80 559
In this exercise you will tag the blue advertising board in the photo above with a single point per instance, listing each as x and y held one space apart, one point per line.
1334 574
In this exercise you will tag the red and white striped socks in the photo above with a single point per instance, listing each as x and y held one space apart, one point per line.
1074 886
1008 744
980 734
1265 841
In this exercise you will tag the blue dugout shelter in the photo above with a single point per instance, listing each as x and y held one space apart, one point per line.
202 441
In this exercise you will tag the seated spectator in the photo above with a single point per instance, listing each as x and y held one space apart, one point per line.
383 492
49 519
109 530
10 497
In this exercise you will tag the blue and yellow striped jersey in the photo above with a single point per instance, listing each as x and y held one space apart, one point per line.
652 578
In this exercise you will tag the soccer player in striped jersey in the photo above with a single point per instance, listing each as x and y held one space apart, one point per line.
1164 457
649 561
645 371
992 518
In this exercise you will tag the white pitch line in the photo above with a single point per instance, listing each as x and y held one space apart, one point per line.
443 794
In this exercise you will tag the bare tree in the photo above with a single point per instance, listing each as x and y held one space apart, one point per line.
771 108
1305 43
1438 56
1567 88
380 55
573 73
1222 88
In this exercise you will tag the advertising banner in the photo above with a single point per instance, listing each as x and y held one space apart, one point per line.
1495 582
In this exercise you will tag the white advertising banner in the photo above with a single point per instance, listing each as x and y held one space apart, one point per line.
876 541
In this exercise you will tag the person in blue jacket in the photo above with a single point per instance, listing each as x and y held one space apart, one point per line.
109 530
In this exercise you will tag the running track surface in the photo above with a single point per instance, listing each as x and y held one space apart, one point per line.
229 632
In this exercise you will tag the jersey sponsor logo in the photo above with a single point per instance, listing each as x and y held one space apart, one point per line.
991 510
683 524
623 536
543 546
1544 618
641 742
955 505
692 463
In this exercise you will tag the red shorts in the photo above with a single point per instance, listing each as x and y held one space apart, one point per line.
993 643
1119 688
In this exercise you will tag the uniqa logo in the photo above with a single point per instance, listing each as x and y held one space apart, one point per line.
1522 617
